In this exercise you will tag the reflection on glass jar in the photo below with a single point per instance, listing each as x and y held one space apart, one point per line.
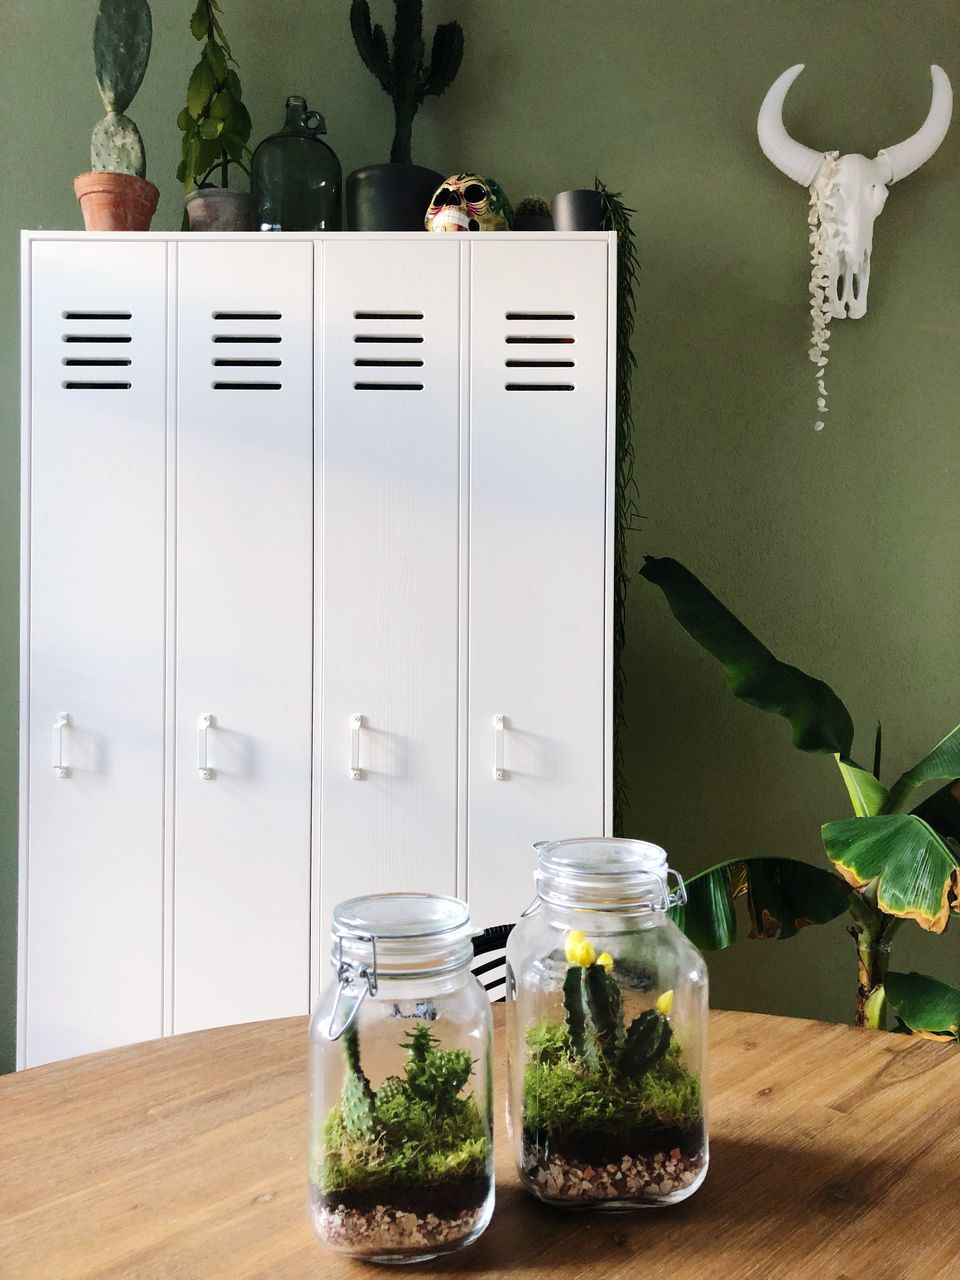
401 1158
607 1019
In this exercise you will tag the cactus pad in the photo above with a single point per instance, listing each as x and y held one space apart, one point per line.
116 147
122 35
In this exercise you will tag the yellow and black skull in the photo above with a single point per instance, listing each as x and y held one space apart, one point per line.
467 202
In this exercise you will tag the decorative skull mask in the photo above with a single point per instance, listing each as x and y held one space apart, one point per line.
467 202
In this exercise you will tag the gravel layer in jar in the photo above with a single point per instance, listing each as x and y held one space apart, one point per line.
630 1178
389 1229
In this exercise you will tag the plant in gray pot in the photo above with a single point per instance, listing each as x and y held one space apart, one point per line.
581 209
216 129
394 196
532 214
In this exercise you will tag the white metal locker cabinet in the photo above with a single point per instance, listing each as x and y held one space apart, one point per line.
538 711
93 518
388 516
244 535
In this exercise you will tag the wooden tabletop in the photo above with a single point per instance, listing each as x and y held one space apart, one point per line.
834 1155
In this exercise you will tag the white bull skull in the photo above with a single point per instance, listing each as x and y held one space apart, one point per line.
856 188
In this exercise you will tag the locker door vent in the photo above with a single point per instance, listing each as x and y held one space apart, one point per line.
256 349
95 332
402 343
537 332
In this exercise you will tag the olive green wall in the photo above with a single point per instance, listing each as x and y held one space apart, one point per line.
838 548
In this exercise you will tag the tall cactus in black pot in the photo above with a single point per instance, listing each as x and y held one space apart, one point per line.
394 197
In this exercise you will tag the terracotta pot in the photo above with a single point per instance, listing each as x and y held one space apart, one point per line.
116 201
219 209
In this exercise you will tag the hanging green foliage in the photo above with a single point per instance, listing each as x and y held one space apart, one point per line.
215 124
617 217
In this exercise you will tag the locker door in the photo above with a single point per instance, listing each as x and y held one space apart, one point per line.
91 938
389 575
538 484
244 632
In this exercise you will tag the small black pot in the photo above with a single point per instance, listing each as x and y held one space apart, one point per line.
580 210
532 222
390 197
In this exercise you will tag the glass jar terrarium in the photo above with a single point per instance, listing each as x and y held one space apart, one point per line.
606 1023
401 1158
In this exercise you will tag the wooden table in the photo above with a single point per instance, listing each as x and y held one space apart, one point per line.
835 1156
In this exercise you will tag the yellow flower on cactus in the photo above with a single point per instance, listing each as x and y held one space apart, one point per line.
579 949
606 959
665 1002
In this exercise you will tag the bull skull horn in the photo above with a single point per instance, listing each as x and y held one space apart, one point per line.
920 146
791 157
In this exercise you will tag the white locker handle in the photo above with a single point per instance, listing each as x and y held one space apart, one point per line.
499 724
61 722
356 724
207 722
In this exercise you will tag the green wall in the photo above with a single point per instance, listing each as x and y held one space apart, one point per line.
839 548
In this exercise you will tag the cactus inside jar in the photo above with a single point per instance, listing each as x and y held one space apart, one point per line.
115 195
611 1111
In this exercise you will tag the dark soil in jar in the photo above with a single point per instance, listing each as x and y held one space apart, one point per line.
443 1199
604 1148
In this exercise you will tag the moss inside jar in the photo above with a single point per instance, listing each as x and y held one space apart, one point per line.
404 1169
610 1111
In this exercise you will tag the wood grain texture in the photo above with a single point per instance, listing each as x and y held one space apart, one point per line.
834 1157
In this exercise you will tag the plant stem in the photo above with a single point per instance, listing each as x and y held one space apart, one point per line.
873 933
403 136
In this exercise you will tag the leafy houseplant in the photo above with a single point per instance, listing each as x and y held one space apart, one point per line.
115 195
893 865
215 126
609 1109
394 197
415 1148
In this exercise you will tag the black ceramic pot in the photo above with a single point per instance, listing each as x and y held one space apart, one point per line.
390 197
532 222
580 210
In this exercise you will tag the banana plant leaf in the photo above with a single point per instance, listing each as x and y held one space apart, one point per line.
818 719
942 810
928 1007
867 794
942 762
914 871
782 895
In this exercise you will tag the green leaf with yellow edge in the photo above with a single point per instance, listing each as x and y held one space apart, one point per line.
867 794
928 1007
915 873
942 762
783 895
818 719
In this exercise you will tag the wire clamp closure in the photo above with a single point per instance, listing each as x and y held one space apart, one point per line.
347 973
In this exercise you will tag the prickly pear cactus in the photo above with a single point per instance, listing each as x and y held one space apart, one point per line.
116 147
122 36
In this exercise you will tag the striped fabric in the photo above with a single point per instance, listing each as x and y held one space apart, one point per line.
490 960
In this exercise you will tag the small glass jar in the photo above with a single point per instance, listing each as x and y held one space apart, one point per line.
606 1032
401 1155
294 177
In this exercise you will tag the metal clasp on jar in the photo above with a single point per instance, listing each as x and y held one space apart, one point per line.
347 973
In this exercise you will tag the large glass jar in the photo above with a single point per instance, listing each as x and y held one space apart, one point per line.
606 1032
401 1159
294 177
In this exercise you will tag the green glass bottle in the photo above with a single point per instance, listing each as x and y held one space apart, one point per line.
295 178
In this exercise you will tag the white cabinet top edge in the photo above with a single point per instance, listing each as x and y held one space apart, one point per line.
419 236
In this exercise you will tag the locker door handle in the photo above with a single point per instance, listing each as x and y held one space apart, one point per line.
499 724
356 724
59 768
207 722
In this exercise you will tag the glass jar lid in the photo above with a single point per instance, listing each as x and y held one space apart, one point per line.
617 875
401 934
